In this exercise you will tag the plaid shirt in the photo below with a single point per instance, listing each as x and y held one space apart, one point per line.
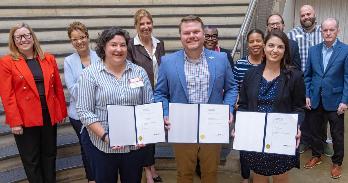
305 40
197 79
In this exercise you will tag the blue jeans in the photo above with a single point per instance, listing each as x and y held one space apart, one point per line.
77 127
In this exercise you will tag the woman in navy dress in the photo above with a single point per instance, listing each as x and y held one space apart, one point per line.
274 86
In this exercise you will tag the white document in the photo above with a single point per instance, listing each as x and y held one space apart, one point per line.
281 130
131 125
249 131
213 123
252 133
150 124
183 119
121 125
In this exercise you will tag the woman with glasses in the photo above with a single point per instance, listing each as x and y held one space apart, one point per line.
73 66
34 102
145 50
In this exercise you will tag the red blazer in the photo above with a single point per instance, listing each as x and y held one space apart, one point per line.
20 96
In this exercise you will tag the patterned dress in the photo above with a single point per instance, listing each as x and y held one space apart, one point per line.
264 163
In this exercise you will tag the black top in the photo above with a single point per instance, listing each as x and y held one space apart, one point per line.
291 91
35 69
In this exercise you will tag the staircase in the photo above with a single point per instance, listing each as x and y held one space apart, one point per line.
50 18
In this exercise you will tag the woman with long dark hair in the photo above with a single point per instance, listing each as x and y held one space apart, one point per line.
273 86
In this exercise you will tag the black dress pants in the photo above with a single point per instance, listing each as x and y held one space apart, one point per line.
306 136
37 147
319 117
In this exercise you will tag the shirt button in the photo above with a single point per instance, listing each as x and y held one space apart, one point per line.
24 88
21 77
52 86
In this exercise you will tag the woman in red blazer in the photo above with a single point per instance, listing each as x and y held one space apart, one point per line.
34 102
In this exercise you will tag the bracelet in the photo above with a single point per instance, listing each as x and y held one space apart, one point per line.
103 137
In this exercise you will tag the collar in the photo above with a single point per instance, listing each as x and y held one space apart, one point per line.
201 57
317 28
137 41
101 66
333 45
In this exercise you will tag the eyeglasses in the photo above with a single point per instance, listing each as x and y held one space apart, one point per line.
211 36
18 38
82 38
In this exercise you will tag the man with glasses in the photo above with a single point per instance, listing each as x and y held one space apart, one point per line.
211 42
275 22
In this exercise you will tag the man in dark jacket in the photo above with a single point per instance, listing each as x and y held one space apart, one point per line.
275 22
211 42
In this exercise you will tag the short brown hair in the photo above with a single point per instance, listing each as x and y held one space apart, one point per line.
140 14
191 18
14 52
77 26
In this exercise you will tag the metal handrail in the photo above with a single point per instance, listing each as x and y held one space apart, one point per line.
245 25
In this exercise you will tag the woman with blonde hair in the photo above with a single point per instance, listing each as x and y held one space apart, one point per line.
145 50
34 102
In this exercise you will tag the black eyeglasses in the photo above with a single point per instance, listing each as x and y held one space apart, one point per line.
211 36
18 38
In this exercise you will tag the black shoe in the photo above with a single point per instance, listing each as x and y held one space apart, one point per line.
157 179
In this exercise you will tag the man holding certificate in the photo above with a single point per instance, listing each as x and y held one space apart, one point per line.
195 75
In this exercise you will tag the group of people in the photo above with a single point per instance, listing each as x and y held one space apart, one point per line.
269 79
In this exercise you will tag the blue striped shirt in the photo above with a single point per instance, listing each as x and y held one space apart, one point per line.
197 79
305 40
240 68
98 88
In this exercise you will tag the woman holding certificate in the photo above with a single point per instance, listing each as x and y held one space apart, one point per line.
145 50
273 86
111 81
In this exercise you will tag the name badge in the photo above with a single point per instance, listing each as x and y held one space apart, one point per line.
299 36
136 82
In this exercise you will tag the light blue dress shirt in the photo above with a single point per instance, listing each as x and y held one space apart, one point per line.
327 52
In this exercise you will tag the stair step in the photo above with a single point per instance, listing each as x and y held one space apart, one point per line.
65 137
18 174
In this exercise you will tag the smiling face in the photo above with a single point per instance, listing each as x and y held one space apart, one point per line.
274 50
23 40
144 27
210 38
116 51
307 16
79 40
255 44
192 36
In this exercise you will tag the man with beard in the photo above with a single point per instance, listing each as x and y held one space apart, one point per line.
275 22
211 42
307 35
